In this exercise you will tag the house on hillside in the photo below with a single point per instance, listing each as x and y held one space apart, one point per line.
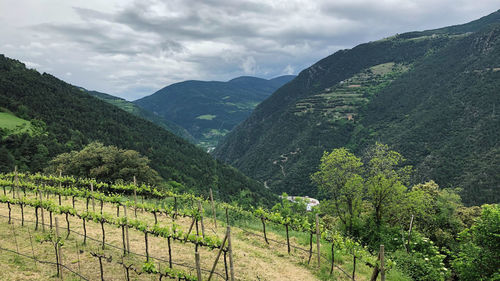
310 202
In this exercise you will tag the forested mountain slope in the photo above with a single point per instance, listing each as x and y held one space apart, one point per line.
208 110
430 95
64 118
145 114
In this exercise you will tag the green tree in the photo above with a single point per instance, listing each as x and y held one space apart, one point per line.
104 163
479 255
339 179
386 179
436 212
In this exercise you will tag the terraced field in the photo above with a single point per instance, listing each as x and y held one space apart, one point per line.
342 100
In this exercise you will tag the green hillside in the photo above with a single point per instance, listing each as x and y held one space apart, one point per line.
209 110
12 124
431 95
64 118
138 111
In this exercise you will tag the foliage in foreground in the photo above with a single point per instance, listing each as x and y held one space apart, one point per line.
479 254
423 227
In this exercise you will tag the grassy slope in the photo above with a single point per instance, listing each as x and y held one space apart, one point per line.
253 258
13 123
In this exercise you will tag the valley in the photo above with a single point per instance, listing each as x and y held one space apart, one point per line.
379 161
208 110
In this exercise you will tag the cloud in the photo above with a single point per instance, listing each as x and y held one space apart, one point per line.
132 48
249 65
31 65
288 70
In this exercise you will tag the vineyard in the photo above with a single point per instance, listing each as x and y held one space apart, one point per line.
80 229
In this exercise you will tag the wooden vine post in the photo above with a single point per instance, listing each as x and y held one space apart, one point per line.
15 237
217 258
310 246
78 257
32 249
59 251
16 183
41 210
225 266
126 229
14 186
169 252
213 208
60 185
124 241
287 238
93 201
22 213
200 210
230 251
135 197
198 267
190 228
318 238
146 242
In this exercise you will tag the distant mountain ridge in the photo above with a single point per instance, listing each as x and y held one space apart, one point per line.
140 112
208 110
430 95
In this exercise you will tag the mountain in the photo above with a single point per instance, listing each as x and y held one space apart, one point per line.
138 111
62 118
209 110
432 95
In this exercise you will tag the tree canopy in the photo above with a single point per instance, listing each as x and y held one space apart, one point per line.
104 163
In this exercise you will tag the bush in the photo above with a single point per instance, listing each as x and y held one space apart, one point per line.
423 261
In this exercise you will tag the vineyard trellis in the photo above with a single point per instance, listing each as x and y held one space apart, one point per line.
119 248
109 193
102 218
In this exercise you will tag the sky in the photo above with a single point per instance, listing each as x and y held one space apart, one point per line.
133 48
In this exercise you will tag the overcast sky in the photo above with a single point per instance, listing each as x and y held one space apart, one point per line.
133 48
